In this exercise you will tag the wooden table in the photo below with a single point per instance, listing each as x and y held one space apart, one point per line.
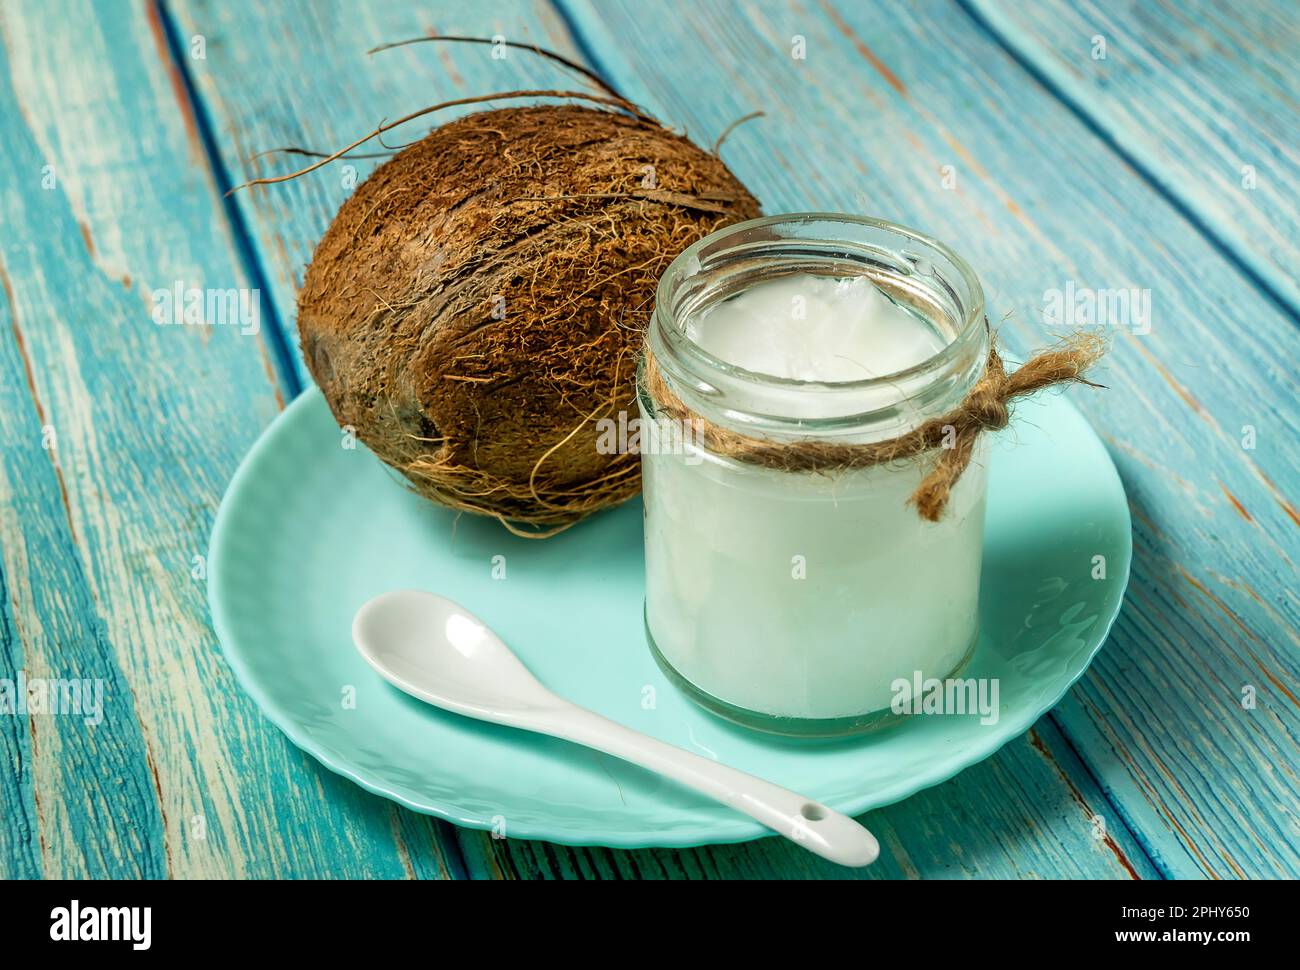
1101 145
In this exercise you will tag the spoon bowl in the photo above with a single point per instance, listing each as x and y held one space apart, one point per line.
436 650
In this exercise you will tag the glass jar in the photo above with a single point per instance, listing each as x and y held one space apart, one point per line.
805 603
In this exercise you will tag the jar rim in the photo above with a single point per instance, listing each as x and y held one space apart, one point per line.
973 315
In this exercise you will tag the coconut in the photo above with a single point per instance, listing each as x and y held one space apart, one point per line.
476 309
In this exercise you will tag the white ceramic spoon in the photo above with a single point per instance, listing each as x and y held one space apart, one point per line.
437 651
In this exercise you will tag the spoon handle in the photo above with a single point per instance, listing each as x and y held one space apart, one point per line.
809 824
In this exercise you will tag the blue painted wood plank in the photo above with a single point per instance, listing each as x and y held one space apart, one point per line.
1029 812
265 88
1202 96
78 757
20 835
913 113
117 438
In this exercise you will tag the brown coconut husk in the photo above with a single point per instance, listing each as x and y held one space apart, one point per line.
545 213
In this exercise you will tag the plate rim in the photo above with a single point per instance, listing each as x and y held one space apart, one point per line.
741 829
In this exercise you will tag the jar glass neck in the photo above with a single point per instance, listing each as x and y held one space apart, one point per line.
917 273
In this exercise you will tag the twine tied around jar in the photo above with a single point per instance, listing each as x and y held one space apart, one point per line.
953 435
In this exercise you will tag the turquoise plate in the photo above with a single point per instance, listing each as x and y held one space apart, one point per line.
310 530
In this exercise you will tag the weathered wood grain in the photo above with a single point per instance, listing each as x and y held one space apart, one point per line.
1032 810
905 111
1204 96
98 532
1040 826
67 771
118 437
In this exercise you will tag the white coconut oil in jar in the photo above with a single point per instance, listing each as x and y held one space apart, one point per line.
799 601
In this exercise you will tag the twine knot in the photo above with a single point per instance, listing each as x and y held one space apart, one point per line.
953 436
987 409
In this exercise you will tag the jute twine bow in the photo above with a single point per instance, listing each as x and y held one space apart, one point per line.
953 436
